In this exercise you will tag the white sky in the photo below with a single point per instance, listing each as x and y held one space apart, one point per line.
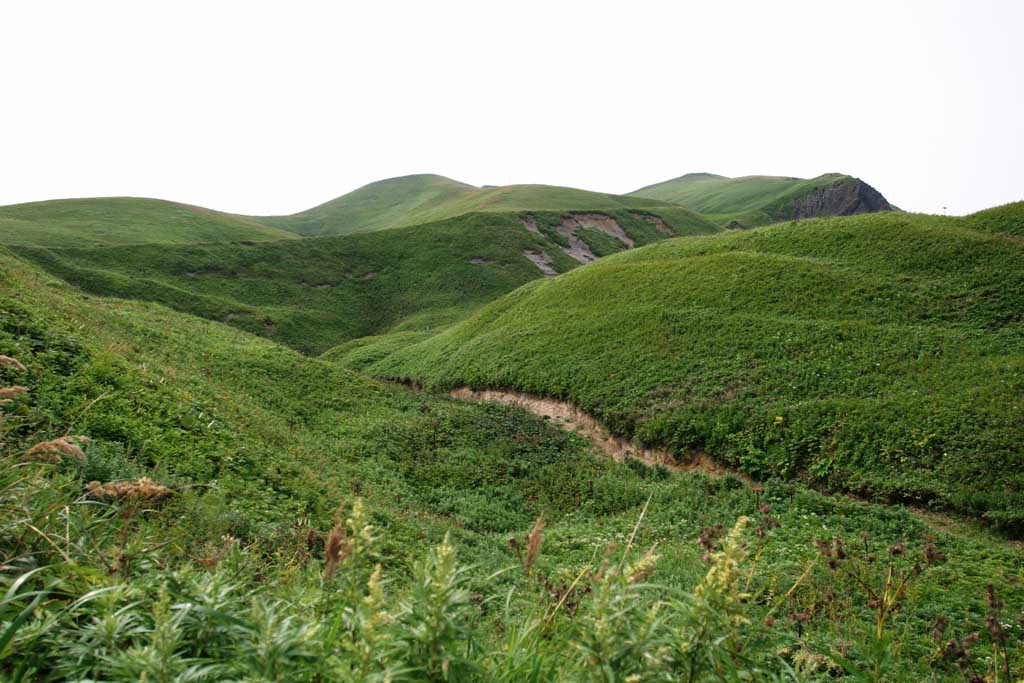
274 107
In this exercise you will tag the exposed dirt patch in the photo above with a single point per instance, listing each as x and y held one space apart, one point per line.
605 224
542 261
570 418
323 286
580 250
656 221
480 262
531 225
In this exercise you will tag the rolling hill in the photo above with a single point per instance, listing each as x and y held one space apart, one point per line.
315 293
409 200
263 458
758 200
880 354
124 220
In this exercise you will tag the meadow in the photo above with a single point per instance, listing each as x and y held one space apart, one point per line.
878 355
210 474
266 456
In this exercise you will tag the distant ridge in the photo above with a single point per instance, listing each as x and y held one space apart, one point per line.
110 221
414 199
755 200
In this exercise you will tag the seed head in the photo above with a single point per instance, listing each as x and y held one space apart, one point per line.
337 548
50 451
11 392
8 362
533 541
143 490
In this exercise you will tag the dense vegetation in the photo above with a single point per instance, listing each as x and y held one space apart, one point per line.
748 201
123 220
223 565
881 354
187 500
315 293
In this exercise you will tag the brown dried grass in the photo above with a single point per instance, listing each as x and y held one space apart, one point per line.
51 451
143 490
8 362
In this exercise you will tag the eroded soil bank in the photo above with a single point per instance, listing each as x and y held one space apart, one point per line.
571 418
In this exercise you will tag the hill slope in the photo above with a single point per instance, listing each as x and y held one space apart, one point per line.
758 200
264 450
313 294
124 220
881 354
410 200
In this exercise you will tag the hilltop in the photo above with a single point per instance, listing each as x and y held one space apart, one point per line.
124 220
409 200
758 200
880 354
261 456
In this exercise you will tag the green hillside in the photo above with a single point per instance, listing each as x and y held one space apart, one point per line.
425 198
124 220
879 354
1007 219
382 204
221 568
315 293
758 200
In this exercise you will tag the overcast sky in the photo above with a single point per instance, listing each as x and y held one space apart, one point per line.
269 108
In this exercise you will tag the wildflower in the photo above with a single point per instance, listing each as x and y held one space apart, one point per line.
47 450
533 541
932 555
8 362
721 586
643 567
336 548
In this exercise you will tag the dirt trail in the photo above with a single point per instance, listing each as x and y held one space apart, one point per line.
570 418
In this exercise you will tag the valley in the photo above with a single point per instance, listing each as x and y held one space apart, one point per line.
637 420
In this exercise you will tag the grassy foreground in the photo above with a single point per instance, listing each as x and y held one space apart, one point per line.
280 534
881 354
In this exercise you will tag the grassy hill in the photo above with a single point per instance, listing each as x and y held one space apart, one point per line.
382 204
758 200
1007 219
879 354
313 294
124 220
426 198
226 575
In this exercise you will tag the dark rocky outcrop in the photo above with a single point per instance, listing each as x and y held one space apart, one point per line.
843 198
